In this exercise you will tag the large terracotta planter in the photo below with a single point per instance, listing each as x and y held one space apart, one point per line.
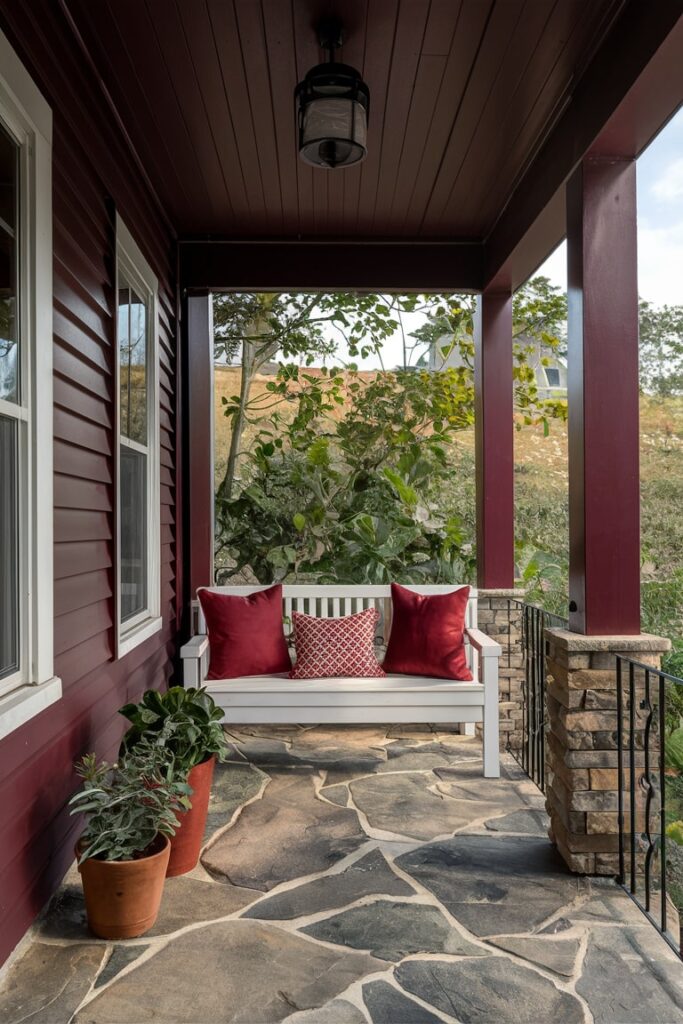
187 842
122 898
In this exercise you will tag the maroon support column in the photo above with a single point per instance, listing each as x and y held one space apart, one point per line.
494 431
604 498
199 426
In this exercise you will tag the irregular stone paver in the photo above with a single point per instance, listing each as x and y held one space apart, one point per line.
528 821
339 1011
47 984
494 885
121 956
558 955
336 794
233 785
489 990
619 983
387 1005
286 834
368 876
65 915
393 930
186 900
237 972
404 805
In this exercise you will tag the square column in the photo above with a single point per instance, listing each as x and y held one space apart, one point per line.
582 757
604 491
199 398
494 441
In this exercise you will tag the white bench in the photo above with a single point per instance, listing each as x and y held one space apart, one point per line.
394 699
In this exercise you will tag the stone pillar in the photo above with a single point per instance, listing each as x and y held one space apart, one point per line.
500 617
581 742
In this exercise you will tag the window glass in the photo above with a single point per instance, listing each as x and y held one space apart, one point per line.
9 334
132 327
133 491
552 375
9 548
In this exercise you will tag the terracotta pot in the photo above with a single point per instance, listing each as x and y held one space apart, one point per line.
187 842
122 897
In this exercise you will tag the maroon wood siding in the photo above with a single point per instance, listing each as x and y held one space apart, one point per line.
94 173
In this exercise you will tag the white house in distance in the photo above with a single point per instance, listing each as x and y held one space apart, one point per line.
551 379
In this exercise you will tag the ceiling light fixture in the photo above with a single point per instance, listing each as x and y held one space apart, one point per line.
332 108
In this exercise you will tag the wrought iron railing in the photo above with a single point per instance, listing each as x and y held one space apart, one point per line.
530 754
650 796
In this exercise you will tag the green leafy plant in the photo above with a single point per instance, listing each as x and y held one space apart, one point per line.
675 832
128 804
184 722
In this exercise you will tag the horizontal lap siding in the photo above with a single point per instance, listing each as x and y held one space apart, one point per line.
93 173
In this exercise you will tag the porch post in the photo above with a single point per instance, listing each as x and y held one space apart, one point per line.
604 516
199 498
494 441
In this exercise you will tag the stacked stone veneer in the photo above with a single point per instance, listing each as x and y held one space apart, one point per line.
500 617
581 743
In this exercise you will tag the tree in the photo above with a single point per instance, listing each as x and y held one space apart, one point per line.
260 326
661 349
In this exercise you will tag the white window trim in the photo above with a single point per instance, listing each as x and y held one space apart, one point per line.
135 631
28 116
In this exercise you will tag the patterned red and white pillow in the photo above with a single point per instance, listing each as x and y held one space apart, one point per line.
327 648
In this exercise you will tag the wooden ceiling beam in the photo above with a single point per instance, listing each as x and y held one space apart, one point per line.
631 87
363 265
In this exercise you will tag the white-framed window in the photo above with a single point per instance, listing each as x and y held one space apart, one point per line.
27 681
138 470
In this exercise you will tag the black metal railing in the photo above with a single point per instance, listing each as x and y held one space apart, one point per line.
530 754
650 793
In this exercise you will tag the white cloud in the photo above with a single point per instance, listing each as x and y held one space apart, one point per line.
669 185
660 259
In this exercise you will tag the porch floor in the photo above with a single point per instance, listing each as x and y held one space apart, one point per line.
356 875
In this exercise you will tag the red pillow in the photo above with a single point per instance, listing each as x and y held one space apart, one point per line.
427 634
246 637
327 648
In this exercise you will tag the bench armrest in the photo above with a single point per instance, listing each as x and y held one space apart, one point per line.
195 647
487 647
195 655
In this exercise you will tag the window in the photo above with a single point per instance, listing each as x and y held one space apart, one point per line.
27 683
138 470
552 375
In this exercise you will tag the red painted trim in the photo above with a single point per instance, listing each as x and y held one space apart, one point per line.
632 86
604 492
361 265
494 432
199 438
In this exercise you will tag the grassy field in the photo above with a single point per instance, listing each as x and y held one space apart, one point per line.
541 504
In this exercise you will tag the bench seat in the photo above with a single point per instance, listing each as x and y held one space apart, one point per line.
277 699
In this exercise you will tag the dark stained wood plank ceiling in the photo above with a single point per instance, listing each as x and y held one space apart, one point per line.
463 93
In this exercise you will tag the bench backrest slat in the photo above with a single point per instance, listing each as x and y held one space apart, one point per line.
332 600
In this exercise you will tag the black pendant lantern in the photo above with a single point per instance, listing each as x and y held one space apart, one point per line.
332 108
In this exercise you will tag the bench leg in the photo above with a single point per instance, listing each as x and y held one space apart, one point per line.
467 729
490 723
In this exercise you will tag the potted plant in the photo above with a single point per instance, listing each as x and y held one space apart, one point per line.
130 812
187 724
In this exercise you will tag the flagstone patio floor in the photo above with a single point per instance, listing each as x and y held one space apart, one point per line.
360 876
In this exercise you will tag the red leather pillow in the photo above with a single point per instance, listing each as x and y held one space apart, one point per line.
246 637
326 648
427 634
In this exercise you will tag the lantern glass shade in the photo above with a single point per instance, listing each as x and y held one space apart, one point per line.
333 116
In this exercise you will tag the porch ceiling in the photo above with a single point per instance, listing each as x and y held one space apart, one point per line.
466 95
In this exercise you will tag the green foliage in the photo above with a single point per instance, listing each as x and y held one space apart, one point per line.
661 349
127 805
675 832
360 498
184 723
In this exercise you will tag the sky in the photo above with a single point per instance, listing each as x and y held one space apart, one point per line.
660 233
